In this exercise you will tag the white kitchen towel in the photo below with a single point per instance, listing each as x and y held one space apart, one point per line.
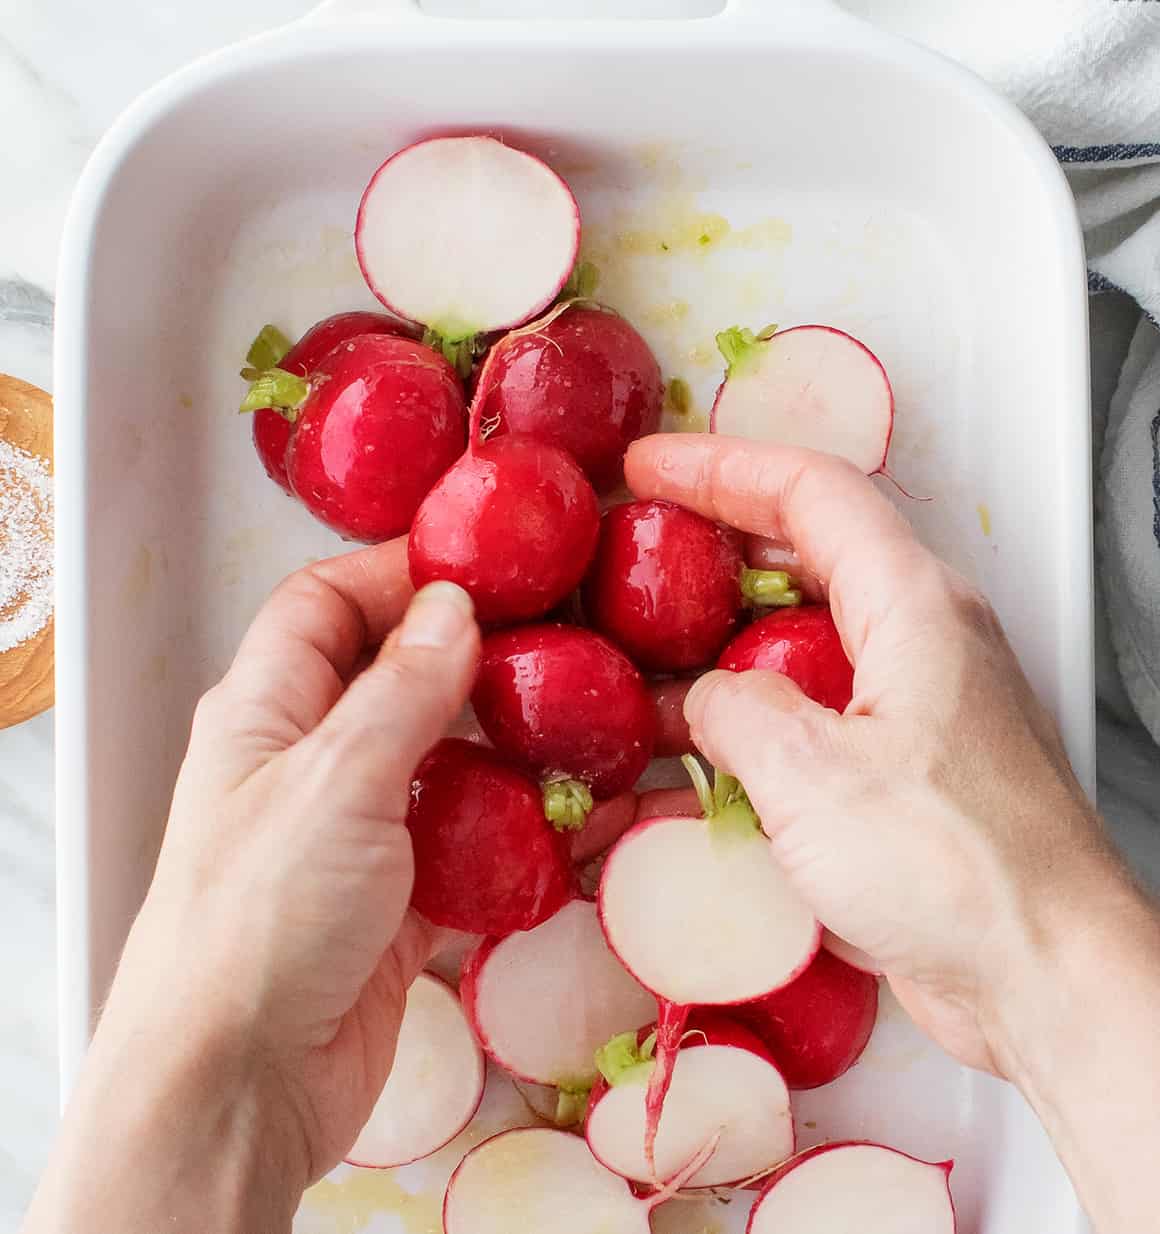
1087 73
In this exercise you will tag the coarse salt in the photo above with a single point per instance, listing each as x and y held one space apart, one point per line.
25 545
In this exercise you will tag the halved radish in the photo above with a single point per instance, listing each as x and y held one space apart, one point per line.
856 1186
544 1001
558 1106
435 1085
466 235
812 386
724 1079
536 1179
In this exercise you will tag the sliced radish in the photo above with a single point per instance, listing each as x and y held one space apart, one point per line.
435 1085
466 235
544 1001
724 1079
536 1179
856 1186
560 1107
811 386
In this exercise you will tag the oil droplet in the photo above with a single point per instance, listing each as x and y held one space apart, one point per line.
351 1202
984 513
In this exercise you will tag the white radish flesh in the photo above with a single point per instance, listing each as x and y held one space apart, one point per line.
542 1002
466 235
435 1085
553 1105
811 386
841 1187
713 1087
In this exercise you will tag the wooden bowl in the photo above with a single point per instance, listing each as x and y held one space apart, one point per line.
26 670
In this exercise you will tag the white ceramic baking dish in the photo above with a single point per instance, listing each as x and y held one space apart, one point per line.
840 176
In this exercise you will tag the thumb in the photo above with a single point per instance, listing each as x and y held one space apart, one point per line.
399 707
761 728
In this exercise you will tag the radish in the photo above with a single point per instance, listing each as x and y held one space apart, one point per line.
818 1025
701 914
811 386
538 1179
544 1001
569 708
724 1079
271 360
855 1186
608 821
581 378
668 803
668 585
378 422
466 235
668 699
803 644
486 860
514 522
435 1084
558 1106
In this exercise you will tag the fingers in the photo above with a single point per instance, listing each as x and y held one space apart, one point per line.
398 708
846 534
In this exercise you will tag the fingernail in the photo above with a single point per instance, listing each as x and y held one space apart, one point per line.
438 615
698 696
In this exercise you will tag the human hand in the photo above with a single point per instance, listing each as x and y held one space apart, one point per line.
937 823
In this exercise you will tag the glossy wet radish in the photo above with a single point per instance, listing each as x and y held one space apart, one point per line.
486 859
855 1186
818 1025
271 360
543 1001
607 822
570 708
803 644
383 418
514 522
580 378
466 235
668 699
435 1085
724 1080
537 1179
811 386
668 585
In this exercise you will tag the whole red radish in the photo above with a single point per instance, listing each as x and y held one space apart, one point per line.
668 585
486 859
270 356
383 419
818 1025
724 1078
836 1186
804 644
580 378
514 522
668 698
566 705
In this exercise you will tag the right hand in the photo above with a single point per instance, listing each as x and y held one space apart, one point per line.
937 824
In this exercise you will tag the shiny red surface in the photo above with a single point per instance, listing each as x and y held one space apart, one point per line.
562 701
385 418
664 585
514 523
818 1025
486 859
586 382
668 698
272 431
803 643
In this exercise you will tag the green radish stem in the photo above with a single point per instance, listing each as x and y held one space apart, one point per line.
270 386
768 589
739 347
567 804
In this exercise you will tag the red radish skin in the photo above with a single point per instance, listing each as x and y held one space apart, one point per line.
466 235
819 1024
854 956
673 738
542 1002
272 427
734 1087
435 1085
514 522
813 386
668 803
835 1186
563 702
385 417
486 859
608 821
803 644
582 379
541 1179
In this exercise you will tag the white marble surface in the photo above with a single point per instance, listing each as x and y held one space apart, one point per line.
66 68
